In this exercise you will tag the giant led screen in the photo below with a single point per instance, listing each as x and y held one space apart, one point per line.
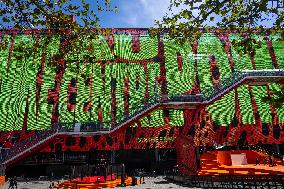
129 70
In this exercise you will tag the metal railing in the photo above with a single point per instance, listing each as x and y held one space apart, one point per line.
137 110
62 128
238 77
224 86
37 139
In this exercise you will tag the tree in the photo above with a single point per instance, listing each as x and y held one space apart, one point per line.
188 19
49 14
75 21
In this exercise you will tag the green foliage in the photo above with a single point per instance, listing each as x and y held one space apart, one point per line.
244 17
48 14
23 49
56 18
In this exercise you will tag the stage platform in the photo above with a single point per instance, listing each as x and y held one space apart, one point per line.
95 182
213 165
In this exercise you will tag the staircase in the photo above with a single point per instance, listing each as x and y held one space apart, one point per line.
252 77
28 146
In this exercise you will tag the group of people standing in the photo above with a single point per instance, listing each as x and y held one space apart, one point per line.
13 184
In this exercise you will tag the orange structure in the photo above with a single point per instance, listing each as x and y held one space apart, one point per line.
219 163
92 183
2 180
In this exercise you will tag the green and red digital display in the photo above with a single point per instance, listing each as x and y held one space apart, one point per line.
129 69
115 88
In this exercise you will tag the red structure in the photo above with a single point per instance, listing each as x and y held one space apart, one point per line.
116 100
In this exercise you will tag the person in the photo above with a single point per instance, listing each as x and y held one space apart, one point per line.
15 182
273 161
51 185
81 176
11 183
270 161
256 161
264 160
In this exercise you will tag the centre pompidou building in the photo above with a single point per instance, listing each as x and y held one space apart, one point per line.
140 92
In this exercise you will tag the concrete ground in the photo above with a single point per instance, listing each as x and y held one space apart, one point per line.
150 183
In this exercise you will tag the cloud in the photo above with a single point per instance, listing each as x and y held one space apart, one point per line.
147 11
138 13
142 13
155 10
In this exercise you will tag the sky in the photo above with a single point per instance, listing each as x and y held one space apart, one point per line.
141 14
134 13
138 13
